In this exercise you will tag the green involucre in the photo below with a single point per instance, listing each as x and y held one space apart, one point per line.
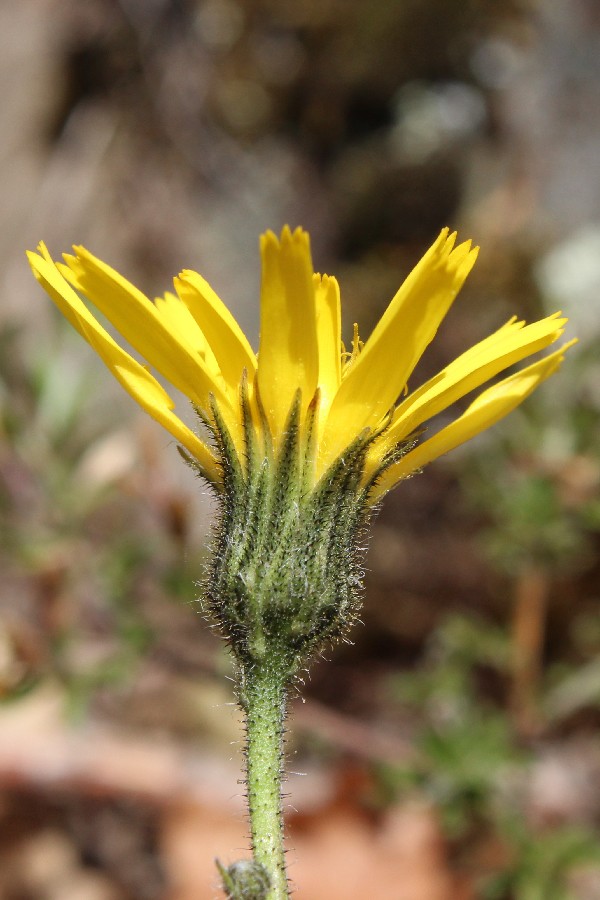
286 573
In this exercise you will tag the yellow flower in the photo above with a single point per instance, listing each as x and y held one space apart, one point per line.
191 339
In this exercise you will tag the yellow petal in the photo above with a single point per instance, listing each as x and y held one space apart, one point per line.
378 375
136 380
154 400
179 320
137 319
329 337
225 338
487 409
508 345
288 356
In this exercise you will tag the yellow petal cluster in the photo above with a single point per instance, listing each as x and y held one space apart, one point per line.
190 338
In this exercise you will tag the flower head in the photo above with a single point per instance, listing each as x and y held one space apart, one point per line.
191 339
306 436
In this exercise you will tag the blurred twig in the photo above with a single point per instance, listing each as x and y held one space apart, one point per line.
528 629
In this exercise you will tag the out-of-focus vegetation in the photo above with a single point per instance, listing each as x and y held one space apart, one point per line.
453 751
83 562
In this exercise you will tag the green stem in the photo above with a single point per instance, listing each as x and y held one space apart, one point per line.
264 701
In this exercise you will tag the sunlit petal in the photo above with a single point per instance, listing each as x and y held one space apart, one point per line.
378 375
487 409
136 380
225 338
288 356
329 337
140 323
502 349
178 319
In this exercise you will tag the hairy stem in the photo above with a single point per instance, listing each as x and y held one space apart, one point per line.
264 702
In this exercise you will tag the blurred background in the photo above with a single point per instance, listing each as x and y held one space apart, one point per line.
453 750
